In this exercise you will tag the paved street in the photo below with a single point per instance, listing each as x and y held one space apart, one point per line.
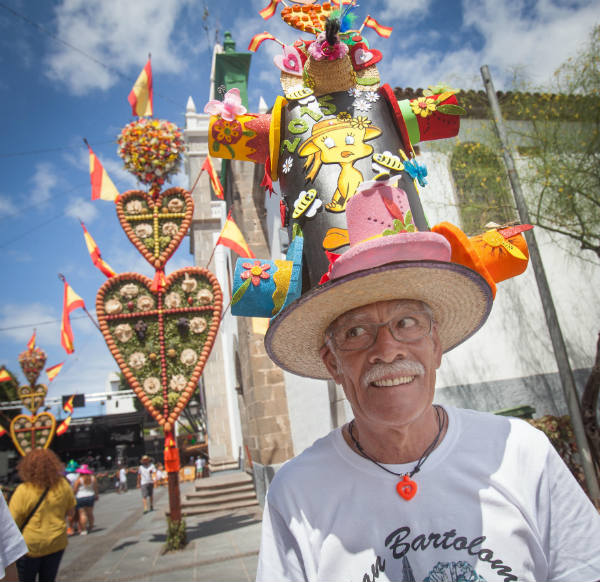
127 545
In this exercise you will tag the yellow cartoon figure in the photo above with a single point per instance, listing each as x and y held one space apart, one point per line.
339 141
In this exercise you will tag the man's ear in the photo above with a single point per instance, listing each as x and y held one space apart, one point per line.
437 347
331 363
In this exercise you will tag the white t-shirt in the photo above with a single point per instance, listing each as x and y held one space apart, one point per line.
12 544
146 474
122 475
494 502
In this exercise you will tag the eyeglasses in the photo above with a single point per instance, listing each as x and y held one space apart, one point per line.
353 334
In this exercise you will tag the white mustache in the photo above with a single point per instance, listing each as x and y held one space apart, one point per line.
397 369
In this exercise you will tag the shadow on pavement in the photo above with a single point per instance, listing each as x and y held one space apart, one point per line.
124 545
214 526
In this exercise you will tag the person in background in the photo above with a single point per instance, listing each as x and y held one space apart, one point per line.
145 482
86 494
122 478
39 507
199 466
161 475
12 544
71 475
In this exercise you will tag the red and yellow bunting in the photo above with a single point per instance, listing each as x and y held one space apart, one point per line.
53 371
63 427
270 10
102 186
258 39
214 178
140 97
5 376
31 342
71 301
232 237
95 255
384 31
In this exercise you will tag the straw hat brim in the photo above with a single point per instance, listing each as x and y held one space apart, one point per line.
460 299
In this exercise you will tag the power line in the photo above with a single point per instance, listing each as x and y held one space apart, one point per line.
83 53
40 323
51 150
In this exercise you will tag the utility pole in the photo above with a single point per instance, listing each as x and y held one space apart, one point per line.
558 343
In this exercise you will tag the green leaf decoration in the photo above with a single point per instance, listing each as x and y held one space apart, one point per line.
248 133
450 109
216 146
296 230
408 219
240 292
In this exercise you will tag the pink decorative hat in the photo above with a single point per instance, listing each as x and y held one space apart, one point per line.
85 470
388 259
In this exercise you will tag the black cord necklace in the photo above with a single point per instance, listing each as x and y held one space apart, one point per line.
406 488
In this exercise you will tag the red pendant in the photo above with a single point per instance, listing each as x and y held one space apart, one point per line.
406 488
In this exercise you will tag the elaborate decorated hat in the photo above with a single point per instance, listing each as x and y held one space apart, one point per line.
340 145
388 258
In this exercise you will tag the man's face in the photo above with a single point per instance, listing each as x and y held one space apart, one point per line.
391 382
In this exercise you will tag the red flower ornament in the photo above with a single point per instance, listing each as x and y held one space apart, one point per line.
256 271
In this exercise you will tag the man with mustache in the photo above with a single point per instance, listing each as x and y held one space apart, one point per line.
407 489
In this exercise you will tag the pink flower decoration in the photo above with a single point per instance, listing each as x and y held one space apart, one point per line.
256 271
229 108
321 50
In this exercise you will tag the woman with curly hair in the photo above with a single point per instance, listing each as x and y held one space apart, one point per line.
39 506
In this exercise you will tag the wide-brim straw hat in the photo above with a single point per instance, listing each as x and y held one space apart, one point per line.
459 298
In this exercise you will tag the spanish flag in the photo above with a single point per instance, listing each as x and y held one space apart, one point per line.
2 431
384 31
71 301
140 97
270 10
64 425
214 178
232 237
31 342
68 405
102 186
258 39
95 253
53 371
5 376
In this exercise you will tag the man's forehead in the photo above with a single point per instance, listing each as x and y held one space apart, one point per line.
388 306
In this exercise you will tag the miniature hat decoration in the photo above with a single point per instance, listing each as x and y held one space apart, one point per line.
71 466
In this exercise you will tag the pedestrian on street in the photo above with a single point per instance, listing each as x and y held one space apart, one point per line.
86 494
39 507
122 476
145 482
71 475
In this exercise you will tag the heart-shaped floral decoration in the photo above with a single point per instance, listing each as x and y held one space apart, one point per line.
161 340
32 397
290 61
155 226
32 432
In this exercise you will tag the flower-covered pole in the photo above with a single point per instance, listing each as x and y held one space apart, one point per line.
160 331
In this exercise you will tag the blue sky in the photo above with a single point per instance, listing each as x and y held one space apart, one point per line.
68 66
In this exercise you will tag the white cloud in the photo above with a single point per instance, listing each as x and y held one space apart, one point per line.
82 210
117 35
7 208
44 180
539 36
401 10
18 321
